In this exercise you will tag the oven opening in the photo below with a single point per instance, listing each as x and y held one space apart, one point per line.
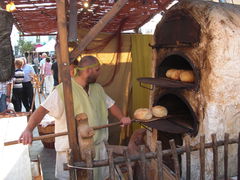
185 71
182 117
184 121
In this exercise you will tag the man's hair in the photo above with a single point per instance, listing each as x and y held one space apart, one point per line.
87 61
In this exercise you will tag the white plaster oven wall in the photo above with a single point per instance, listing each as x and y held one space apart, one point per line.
217 102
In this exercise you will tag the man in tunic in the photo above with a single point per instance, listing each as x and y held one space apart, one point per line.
88 97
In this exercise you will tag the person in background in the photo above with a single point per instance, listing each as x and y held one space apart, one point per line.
48 77
41 64
27 85
36 63
5 94
18 86
55 72
88 97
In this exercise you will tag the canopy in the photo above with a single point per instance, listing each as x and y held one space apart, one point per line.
38 17
49 46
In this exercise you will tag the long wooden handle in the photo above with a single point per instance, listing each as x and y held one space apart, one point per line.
60 134
37 138
106 125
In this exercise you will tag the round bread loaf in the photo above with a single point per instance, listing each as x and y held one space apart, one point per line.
169 72
159 111
143 114
187 76
175 75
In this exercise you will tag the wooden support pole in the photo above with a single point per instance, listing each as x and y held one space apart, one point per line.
202 157
111 163
129 166
215 157
143 161
188 157
97 28
175 159
72 28
67 86
159 160
2 4
89 163
226 141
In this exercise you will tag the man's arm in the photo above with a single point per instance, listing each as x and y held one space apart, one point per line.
34 120
116 112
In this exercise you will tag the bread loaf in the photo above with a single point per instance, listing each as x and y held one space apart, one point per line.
169 72
142 114
187 76
175 75
159 111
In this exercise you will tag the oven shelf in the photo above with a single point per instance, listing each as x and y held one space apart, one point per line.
165 83
176 124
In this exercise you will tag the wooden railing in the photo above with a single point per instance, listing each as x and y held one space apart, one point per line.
143 158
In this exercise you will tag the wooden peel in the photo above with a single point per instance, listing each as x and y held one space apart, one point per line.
61 134
37 138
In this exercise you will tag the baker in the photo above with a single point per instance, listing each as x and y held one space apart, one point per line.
88 97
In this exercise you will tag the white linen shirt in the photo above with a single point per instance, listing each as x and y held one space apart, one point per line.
55 106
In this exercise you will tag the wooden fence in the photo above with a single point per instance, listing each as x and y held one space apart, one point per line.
144 157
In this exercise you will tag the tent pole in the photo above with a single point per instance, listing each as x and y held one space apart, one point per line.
67 86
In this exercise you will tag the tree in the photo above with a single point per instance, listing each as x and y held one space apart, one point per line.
25 46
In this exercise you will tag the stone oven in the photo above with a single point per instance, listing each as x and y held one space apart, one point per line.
203 37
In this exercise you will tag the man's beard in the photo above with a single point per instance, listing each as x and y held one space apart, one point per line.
91 80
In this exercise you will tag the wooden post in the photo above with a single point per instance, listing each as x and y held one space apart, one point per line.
129 166
72 36
97 28
159 160
215 157
111 163
67 86
175 159
188 157
202 157
226 141
143 161
89 165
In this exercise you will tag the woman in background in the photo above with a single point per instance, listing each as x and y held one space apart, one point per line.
18 86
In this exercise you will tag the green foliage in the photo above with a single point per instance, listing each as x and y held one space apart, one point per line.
25 46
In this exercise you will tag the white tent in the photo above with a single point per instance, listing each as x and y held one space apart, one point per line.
49 46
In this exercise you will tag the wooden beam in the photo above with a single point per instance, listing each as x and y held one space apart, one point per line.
67 86
72 27
97 28
2 4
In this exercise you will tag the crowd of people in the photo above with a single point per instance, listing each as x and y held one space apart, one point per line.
19 90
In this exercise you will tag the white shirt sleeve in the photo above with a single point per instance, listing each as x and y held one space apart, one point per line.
109 102
54 105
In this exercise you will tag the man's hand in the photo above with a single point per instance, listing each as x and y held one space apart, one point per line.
125 121
26 137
